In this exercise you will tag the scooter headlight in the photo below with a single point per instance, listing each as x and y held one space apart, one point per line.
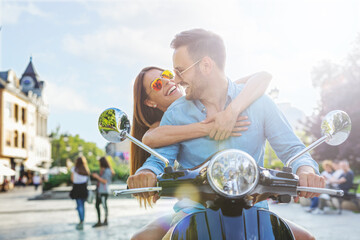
233 173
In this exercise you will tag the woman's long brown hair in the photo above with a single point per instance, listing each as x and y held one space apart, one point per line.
104 163
81 166
144 116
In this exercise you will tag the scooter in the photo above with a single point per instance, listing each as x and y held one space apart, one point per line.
228 184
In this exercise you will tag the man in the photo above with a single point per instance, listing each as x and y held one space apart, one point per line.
343 182
346 179
336 174
199 63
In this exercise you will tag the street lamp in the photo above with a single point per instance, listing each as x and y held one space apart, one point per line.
53 138
67 147
80 149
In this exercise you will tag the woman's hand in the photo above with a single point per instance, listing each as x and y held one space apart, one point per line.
95 175
226 124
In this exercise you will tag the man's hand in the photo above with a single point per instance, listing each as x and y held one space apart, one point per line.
142 179
226 124
308 178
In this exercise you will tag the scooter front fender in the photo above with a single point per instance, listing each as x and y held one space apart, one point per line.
253 223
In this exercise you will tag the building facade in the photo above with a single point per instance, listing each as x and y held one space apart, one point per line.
120 150
24 144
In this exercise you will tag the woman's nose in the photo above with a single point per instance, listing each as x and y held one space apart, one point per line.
165 81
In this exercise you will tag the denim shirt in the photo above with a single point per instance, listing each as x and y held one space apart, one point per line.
267 122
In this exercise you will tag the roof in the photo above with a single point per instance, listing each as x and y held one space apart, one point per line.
4 75
30 70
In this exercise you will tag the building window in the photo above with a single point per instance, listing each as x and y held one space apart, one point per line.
16 112
8 138
23 115
8 109
23 140
16 139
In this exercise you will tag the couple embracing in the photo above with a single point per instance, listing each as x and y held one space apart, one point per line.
214 114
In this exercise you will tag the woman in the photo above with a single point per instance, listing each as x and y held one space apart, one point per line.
152 97
102 189
79 176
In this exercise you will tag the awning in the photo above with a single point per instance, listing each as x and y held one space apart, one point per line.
35 168
58 170
5 171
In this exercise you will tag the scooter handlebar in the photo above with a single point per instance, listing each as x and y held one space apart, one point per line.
136 190
335 192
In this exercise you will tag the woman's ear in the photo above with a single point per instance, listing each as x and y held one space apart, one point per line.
150 103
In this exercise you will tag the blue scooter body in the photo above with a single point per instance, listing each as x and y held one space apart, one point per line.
253 223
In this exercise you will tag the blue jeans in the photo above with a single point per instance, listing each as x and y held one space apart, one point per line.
314 202
80 208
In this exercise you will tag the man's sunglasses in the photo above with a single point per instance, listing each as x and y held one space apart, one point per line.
157 83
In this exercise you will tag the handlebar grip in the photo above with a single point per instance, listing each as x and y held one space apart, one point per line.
137 190
339 193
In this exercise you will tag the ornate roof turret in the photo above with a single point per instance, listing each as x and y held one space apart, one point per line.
30 80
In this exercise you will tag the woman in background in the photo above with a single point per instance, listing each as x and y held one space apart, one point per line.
102 189
79 176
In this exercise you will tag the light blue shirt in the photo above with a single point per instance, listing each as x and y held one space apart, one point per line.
267 122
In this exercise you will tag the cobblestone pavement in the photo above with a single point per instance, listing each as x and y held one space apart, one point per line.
56 219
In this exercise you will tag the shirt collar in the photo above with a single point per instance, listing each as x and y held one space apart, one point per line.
231 94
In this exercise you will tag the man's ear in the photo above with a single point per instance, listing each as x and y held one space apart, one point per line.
150 103
207 65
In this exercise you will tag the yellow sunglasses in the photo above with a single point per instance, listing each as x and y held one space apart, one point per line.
157 83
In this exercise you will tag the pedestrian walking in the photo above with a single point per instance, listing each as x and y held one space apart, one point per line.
102 189
24 180
79 176
36 180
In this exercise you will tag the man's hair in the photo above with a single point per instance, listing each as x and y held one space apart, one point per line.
201 43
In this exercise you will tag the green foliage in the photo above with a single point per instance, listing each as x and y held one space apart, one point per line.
68 147
339 88
270 156
65 147
56 180
107 120
357 180
122 171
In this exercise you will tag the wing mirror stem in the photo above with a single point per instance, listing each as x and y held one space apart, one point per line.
143 146
335 129
305 150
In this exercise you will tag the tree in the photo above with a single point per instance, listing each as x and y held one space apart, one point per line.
64 147
339 85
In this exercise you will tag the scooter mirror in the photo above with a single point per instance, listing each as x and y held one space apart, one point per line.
336 126
114 124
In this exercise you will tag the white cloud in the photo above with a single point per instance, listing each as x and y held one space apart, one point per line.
119 45
11 11
283 39
61 98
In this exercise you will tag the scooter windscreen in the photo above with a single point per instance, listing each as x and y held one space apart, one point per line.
233 173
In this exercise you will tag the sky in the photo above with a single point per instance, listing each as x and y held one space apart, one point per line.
89 52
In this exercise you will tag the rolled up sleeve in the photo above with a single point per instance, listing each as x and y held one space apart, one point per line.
282 137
